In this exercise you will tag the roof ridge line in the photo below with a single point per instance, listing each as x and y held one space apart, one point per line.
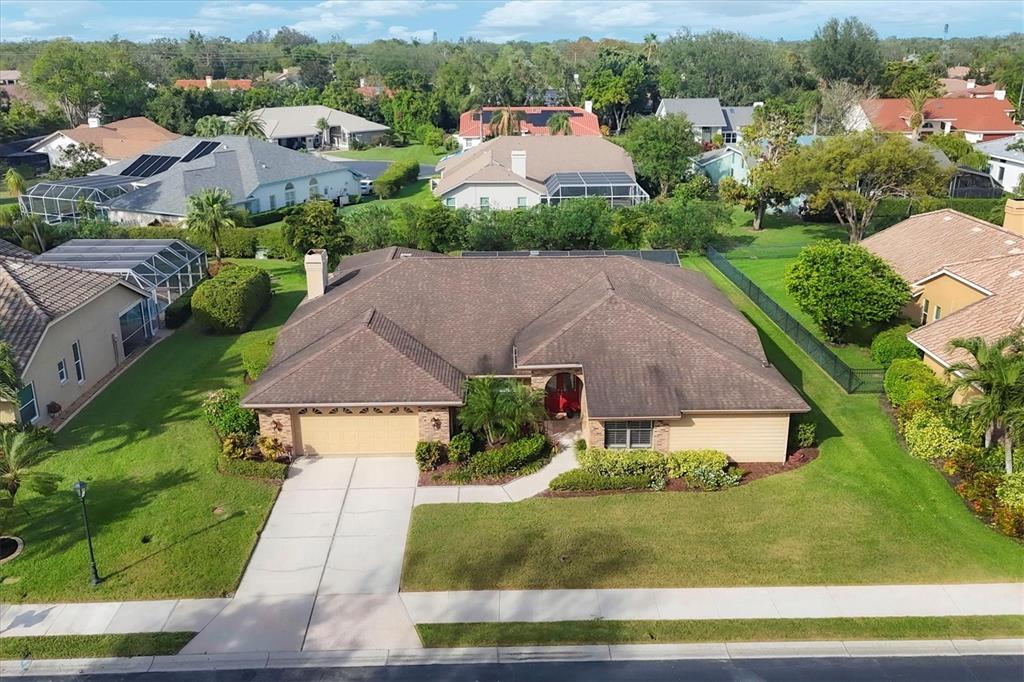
388 265
13 281
609 291
379 318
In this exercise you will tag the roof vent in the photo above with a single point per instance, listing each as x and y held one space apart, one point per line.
973 229
1016 273
1009 242
947 217
534 253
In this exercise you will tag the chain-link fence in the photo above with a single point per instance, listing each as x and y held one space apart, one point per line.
852 380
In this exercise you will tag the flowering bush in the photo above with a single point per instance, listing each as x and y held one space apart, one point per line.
1010 491
928 437
227 416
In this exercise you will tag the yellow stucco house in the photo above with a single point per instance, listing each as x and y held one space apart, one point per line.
966 276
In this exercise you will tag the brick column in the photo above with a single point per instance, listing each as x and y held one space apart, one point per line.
539 381
435 424
595 434
277 425
659 438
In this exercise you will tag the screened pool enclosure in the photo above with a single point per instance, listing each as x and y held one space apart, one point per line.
59 200
618 187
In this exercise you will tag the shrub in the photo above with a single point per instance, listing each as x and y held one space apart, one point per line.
806 434
508 458
965 462
179 310
226 416
580 479
252 468
910 379
581 445
256 357
683 462
707 478
890 345
270 447
980 492
239 242
460 448
430 454
272 216
606 462
1010 491
236 445
231 301
1009 520
215 268
396 176
928 437
272 240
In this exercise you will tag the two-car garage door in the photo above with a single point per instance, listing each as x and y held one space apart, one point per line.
357 434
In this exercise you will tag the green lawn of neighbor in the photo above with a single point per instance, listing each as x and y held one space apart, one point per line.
781 236
93 646
863 513
417 193
731 630
165 522
420 152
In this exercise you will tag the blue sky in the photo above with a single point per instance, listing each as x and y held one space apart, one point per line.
501 20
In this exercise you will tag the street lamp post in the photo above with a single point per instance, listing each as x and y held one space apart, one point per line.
80 488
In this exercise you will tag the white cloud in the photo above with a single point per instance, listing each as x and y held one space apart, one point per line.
444 6
233 11
25 26
402 33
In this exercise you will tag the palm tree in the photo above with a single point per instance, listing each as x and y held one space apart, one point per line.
246 122
505 122
15 182
19 452
994 381
212 126
500 408
521 408
324 126
559 124
208 213
9 381
917 99
651 42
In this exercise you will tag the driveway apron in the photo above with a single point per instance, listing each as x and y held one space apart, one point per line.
326 570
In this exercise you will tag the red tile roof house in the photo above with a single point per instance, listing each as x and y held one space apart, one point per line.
647 354
978 119
211 83
474 125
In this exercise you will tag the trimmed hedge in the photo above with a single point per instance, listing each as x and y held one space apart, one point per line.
395 177
252 468
430 454
256 357
272 239
238 242
892 211
460 448
580 479
508 458
909 380
179 310
648 463
231 301
688 462
274 215
892 344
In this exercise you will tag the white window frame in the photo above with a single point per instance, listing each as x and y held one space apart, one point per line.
78 361
273 201
634 431
730 137
449 202
289 194
924 312
485 202
62 371
520 202
938 313
34 403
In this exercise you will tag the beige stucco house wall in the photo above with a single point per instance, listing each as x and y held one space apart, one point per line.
500 196
745 437
947 293
96 327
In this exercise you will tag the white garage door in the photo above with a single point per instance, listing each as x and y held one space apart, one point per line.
358 434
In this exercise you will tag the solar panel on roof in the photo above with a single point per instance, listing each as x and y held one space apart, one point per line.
148 165
199 151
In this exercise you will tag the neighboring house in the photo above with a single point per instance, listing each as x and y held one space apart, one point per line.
525 170
155 187
373 91
15 154
9 250
295 127
68 329
211 83
291 75
475 124
10 76
709 117
648 355
1006 166
969 88
977 119
966 276
114 141
729 161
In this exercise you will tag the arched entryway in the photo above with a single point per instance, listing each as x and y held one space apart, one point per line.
563 394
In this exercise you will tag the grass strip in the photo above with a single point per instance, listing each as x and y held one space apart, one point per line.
94 646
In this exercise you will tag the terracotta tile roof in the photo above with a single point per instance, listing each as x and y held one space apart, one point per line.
34 294
218 83
988 115
372 91
534 121
653 339
119 140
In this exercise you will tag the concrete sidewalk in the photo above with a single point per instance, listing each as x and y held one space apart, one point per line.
515 655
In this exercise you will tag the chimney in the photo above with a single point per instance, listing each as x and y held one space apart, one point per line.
209 82
316 273
971 83
999 94
94 122
758 104
588 106
519 162
1013 216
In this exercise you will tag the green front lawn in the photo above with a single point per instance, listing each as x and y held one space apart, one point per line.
417 193
863 513
733 630
420 152
165 522
93 646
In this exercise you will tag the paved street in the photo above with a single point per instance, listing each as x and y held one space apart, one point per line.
372 169
909 669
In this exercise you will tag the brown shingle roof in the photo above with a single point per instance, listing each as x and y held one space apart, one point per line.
34 294
653 339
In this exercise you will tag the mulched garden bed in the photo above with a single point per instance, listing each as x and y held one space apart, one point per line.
439 476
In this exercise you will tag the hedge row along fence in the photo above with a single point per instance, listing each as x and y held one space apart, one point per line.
231 301
395 177
238 242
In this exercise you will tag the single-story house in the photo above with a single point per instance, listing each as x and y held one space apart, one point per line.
10 76
475 124
709 117
648 355
1006 166
68 328
968 87
155 187
969 281
730 161
211 83
296 127
978 119
114 141
525 170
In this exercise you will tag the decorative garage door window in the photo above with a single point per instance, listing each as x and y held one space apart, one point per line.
359 410
632 434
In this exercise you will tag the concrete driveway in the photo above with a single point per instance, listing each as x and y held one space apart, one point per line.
326 570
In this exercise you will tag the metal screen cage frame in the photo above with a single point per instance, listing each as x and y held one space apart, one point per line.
616 186
61 200
166 268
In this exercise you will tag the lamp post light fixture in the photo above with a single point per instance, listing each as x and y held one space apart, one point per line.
80 488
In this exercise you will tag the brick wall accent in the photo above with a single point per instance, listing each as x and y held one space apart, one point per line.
659 437
539 380
277 425
595 434
435 424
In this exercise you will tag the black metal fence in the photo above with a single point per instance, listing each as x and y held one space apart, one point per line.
852 380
